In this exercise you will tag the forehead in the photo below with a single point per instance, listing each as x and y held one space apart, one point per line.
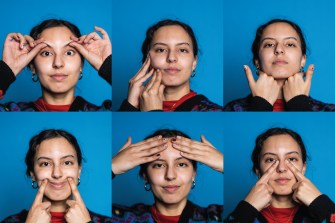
280 30
55 148
280 145
56 33
170 154
171 33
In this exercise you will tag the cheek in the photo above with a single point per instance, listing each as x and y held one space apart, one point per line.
157 61
156 176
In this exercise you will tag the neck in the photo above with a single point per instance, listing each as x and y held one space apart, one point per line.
175 93
171 209
58 99
281 84
280 201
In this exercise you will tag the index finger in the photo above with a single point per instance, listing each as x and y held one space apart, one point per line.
249 75
74 190
298 175
143 69
309 73
103 32
40 193
266 176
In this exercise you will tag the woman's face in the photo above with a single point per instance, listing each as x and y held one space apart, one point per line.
171 51
56 160
170 176
281 148
280 52
58 65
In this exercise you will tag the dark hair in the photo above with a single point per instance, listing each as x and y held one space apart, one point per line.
36 140
167 22
51 23
256 44
165 133
255 157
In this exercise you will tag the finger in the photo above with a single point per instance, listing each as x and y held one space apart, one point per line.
103 32
22 40
146 76
158 80
143 69
151 81
36 50
309 73
93 36
40 193
152 149
12 36
298 175
30 40
204 140
81 39
268 173
78 46
249 75
161 90
45 205
191 156
70 203
128 143
75 192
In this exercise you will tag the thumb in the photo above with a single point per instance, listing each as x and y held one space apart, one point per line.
204 140
161 90
79 47
128 143
46 205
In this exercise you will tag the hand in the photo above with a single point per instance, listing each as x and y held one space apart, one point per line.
304 190
136 83
203 151
260 195
153 94
265 87
20 50
40 211
296 85
94 48
132 155
77 212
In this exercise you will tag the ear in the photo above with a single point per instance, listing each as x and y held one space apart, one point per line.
32 68
256 62
304 168
195 62
194 175
32 175
303 61
258 173
145 177
79 171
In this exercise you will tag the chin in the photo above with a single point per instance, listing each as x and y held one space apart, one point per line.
58 196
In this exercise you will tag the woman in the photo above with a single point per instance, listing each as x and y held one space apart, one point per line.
55 52
282 193
170 56
54 163
279 54
168 160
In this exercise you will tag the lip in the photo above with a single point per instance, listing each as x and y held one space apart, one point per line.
282 180
171 70
280 62
57 185
171 188
58 76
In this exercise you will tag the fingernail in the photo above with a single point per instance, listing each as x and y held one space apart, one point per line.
178 137
164 139
245 67
313 67
159 137
173 139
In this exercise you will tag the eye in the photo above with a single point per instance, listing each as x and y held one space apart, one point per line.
45 54
182 165
70 52
268 45
291 45
68 163
184 50
292 159
160 50
158 165
44 164
270 160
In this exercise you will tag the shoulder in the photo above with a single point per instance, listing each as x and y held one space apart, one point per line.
16 218
17 107
321 106
211 213
138 213
202 103
99 218
80 104
241 104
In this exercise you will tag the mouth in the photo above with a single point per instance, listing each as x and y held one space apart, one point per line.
280 62
171 70
171 188
57 185
58 77
282 180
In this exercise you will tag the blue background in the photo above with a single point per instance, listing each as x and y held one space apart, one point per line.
131 19
93 132
128 188
242 18
21 16
316 130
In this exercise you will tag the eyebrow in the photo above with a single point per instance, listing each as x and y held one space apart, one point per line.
289 153
286 38
65 45
64 157
178 44
179 158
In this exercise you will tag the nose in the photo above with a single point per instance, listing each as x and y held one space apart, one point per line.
58 61
281 168
170 174
57 172
279 49
172 57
